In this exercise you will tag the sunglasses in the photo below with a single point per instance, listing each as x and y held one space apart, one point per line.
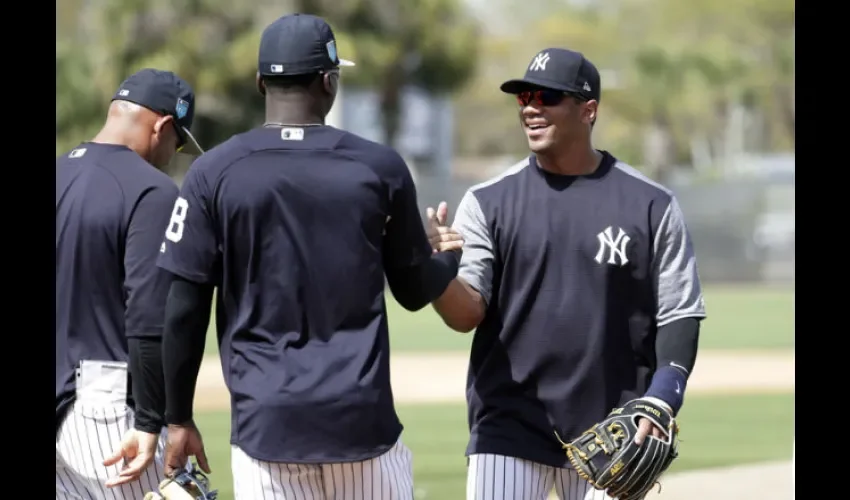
544 97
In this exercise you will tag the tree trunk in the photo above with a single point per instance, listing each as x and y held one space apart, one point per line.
391 104
785 99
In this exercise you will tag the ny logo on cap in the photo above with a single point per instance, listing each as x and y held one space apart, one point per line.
539 62
182 108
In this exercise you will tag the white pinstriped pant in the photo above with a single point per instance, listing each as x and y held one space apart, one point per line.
497 477
88 435
386 477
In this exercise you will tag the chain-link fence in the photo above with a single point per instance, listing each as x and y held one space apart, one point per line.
743 231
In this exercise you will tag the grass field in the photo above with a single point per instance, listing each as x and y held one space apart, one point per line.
738 318
716 431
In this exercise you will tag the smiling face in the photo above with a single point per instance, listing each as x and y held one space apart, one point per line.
551 117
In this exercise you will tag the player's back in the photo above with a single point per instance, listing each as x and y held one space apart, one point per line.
97 187
303 225
299 217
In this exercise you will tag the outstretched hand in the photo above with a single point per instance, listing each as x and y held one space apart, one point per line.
442 237
137 450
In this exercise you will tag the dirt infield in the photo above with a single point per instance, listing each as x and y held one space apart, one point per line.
441 377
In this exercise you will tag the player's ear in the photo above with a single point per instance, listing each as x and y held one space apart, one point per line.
590 109
330 82
261 85
161 123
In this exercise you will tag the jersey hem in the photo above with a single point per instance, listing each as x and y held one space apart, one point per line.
330 459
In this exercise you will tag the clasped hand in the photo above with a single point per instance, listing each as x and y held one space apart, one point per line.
442 237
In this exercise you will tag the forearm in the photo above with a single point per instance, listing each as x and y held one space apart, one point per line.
147 383
676 350
415 287
187 314
461 307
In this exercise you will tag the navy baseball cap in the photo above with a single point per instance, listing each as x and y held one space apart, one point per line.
298 44
559 69
165 93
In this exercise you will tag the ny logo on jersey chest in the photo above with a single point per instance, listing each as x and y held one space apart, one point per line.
612 249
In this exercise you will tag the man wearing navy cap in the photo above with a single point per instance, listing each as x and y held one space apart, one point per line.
112 205
296 223
579 278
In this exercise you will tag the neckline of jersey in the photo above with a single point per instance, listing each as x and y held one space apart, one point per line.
605 166
296 125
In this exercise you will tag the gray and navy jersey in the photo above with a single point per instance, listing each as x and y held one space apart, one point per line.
295 227
111 210
577 272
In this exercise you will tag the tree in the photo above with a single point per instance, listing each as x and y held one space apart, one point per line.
718 54
213 45
429 43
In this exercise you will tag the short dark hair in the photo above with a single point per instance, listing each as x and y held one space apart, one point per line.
288 83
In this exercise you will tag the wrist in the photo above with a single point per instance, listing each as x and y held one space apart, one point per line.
658 402
189 424
148 421
178 419
147 428
668 385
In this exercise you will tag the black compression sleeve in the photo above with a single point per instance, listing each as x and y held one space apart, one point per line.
676 344
676 350
187 314
147 382
417 286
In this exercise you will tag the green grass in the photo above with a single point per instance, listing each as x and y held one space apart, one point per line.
716 431
738 318
748 318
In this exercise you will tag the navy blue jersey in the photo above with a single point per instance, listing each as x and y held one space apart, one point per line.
296 226
578 272
111 210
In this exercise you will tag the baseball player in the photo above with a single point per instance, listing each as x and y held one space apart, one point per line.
297 223
112 203
579 277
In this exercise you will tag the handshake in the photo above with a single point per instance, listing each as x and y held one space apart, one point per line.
442 237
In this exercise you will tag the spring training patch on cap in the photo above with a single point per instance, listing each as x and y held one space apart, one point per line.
331 46
182 108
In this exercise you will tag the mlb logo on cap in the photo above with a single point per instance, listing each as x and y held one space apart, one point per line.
182 108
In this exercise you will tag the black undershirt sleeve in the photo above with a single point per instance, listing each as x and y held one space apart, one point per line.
414 287
147 383
187 315
676 352
676 344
